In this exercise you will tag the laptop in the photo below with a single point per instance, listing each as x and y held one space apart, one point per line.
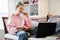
45 29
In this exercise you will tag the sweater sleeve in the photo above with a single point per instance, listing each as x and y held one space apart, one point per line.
28 22
11 26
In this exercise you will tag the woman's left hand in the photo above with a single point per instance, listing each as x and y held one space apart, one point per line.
19 28
26 28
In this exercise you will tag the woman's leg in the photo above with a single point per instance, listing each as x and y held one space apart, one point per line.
22 35
34 31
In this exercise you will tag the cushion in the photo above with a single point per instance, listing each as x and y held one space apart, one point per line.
35 23
10 36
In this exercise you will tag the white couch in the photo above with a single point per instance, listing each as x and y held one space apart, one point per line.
16 38
31 38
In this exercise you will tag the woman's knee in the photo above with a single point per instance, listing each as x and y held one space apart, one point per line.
21 33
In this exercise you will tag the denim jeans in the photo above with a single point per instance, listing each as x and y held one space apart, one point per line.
33 31
22 35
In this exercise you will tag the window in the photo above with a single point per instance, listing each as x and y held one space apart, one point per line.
33 7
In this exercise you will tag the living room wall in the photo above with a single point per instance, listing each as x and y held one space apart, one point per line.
54 7
43 4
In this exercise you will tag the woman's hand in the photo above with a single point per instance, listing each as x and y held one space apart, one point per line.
26 28
19 28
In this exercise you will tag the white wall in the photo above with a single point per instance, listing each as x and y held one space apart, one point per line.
3 6
54 7
43 8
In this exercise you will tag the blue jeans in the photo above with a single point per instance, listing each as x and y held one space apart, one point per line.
22 35
32 32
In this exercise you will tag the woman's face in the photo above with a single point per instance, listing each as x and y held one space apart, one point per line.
20 9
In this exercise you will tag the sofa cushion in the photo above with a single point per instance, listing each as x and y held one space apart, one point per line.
11 36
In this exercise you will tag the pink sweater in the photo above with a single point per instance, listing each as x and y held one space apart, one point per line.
15 21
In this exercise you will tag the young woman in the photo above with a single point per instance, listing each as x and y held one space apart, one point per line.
17 22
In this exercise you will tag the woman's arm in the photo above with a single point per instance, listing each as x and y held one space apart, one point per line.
11 26
28 23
